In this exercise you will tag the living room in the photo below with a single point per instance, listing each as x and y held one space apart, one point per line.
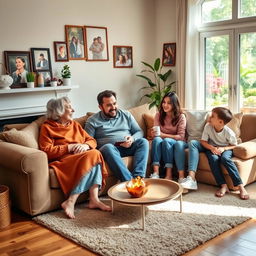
144 25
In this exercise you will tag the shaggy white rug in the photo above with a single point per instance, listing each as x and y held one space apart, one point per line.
167 231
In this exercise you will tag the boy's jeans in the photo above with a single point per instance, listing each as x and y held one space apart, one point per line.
225 159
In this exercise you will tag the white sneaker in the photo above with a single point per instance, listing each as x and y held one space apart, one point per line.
189 183
154 176
181 180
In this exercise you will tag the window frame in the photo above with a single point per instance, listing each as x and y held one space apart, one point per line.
233 28
235 17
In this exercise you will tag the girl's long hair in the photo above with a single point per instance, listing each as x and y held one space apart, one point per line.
176 111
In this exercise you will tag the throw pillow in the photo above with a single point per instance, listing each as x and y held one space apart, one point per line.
149 121
27 136
196 120
234 125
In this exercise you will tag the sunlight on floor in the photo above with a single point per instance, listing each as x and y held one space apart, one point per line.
205 208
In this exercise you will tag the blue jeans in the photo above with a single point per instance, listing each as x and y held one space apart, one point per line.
94 176
113 156
194 147
179 154
225 159
162 149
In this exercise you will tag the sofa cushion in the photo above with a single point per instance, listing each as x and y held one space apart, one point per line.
234 125
137 113
27 136
196 120
245 150
149 122
81 120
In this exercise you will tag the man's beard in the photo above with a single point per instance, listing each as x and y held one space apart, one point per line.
108 114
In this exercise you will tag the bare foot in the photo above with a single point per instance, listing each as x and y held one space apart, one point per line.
99 205
243 193
167 177
222 191
68 207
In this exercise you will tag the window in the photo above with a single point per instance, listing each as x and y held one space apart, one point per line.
247 8
216 10
228 54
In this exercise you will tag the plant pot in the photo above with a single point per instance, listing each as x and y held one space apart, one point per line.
53 83
67 81
30 84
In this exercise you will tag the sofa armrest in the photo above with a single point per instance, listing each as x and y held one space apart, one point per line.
26 172
245 150
22 159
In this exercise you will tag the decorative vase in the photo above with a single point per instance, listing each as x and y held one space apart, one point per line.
40 80
30 84
5 81
67 81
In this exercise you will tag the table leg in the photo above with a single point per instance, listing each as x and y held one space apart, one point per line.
181 202
142 216
112 206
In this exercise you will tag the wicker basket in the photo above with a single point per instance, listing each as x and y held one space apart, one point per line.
5 213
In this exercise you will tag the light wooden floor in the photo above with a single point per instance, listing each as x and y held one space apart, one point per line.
25 237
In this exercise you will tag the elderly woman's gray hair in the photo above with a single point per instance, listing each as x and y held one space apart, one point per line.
56 108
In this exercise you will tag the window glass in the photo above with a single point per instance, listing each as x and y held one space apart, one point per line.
216 71
247 8
216 10
248 72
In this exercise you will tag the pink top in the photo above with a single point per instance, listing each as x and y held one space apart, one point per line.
179 129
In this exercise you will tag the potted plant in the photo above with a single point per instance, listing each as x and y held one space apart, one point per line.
30 76
157 86
54 82
66 75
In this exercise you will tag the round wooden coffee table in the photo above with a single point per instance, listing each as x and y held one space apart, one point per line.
159 191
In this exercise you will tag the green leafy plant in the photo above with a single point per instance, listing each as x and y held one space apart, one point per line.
157 85
65 72
30 77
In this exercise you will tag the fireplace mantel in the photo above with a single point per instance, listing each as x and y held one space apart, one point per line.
23 102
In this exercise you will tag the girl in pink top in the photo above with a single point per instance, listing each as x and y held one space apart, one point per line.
172 124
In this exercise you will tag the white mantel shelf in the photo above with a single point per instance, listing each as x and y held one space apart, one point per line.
38 89
22 102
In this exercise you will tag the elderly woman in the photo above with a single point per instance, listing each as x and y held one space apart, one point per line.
73 156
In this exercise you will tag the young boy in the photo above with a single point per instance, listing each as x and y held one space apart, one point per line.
219 140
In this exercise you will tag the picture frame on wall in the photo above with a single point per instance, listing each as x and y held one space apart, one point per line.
169 54
96 43
75 40
122 56
41 59
60 50
18 64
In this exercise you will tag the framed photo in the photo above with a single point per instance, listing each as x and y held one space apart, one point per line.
75 42
169 54
18 63
60 50
122 56
97 43
41 59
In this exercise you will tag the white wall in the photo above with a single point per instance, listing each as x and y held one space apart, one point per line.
165 25
143 24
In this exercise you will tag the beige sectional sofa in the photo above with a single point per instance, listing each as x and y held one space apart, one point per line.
34 188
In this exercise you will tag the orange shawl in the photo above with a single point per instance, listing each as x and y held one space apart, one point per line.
69 168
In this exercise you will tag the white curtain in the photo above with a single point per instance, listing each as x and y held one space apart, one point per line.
181 11
193 94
